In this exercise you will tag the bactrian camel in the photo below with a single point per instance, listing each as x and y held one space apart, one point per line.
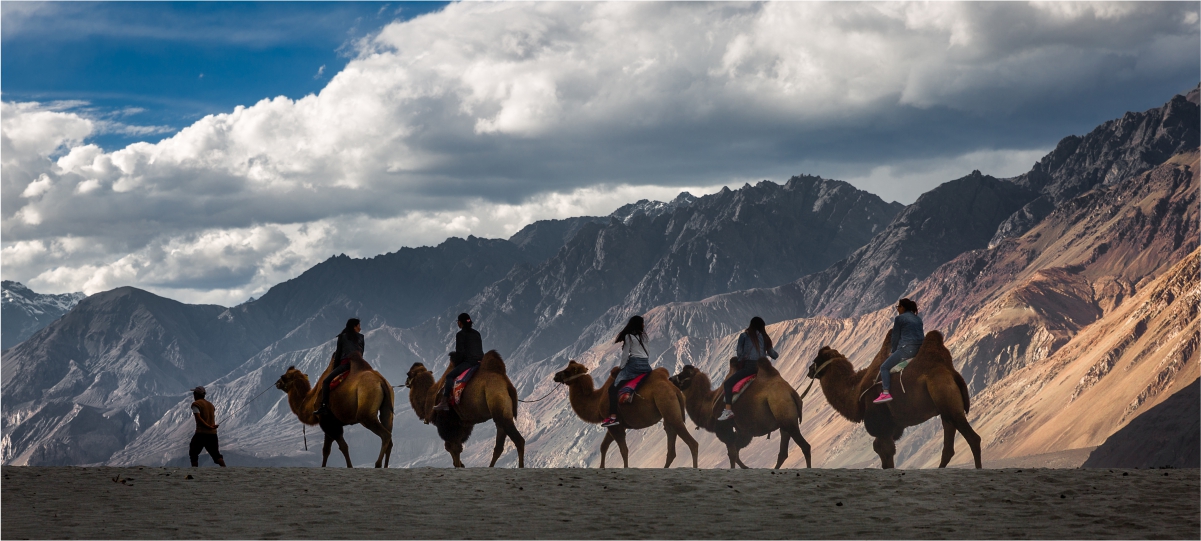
930 386
769 404
364 397
657 399
488 396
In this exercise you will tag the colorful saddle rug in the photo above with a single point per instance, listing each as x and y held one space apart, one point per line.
334 383
460 383
741 387
625 395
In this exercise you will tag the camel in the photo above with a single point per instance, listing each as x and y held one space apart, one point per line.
769 404
656 399
364 397
929 386
488 396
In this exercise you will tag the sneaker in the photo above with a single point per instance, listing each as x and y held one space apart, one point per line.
610 422
726 415
884 397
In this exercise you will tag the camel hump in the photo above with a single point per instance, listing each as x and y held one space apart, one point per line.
360 365
933 348
766 370
493 363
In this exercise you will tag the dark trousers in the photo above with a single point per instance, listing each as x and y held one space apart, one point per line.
749 368
208 442
330 378
455 372
613 398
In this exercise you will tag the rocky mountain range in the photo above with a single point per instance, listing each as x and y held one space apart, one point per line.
25 312
1025 276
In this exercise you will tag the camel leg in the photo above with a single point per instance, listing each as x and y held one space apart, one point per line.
500 445
605 446
671 444
794 431
950 405
385 439
325 450
973 439
780 458
455 449
672 411
887 449
517 439
345 451
948 441
619 435
732 452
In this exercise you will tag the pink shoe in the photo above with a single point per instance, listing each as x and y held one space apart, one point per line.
611 421
884 397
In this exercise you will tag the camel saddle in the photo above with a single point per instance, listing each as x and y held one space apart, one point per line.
740 387
334 383
625 395
460 383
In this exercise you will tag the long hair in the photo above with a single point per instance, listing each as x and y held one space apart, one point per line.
350 325
756 328
465 319
633 327
908 305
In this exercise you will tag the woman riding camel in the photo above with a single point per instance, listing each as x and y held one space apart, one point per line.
634 361
753 344
350 346
469 350
907 336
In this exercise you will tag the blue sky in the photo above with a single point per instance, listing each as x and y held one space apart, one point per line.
179 61
123 166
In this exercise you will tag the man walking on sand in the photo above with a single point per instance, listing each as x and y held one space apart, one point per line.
206 430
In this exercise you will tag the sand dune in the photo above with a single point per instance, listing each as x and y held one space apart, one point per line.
162 503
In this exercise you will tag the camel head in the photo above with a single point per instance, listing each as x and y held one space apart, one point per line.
825 355
415 371
684 378
286 381
573 371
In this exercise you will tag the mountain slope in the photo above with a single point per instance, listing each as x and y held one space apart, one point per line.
25 312
1116 150
1168 434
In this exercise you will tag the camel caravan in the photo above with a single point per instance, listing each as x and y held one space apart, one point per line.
753 400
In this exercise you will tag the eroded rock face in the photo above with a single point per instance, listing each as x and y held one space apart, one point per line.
26 312
1116 150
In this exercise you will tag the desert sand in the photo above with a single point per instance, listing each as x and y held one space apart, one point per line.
162 503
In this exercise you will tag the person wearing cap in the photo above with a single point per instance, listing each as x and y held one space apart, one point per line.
350 346
206 430
469 351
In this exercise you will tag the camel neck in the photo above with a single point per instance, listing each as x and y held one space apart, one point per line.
302 399
699 400
419 395
588 402
840 385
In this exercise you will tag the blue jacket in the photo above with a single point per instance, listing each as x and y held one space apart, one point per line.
747 351
906 330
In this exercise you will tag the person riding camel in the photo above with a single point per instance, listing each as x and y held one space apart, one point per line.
350 346
907 336
469 350
634 361
753 344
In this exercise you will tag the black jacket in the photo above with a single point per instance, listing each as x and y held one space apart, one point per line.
469 347
350 344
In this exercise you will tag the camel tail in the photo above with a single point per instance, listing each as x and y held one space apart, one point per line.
962 391
513 397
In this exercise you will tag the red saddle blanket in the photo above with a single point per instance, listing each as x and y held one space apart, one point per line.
742 385
456 393
625 395
334 383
